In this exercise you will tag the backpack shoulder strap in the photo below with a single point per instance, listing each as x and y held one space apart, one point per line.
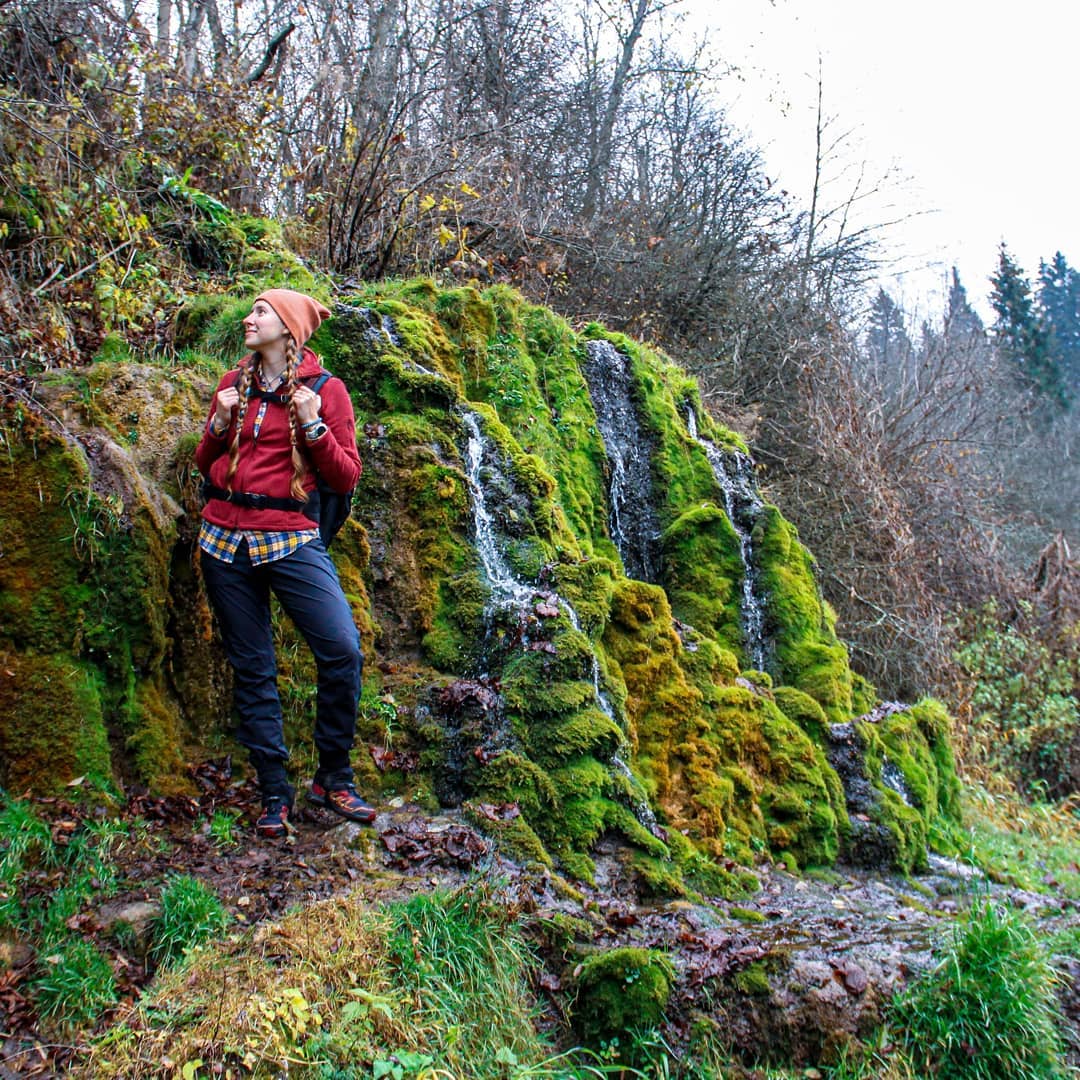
316 382
320 380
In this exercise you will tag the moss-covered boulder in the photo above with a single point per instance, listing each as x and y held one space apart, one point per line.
899 776
621 990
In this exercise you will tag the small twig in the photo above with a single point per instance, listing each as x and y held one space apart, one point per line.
85 270
45 283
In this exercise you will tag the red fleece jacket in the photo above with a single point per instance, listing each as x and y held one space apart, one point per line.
265 464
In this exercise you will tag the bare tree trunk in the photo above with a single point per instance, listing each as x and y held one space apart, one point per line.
811 226
164 26
600 151
376 88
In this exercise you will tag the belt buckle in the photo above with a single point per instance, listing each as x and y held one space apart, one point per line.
256 500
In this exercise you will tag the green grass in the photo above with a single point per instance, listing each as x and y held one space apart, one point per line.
75 983
988 1009
467 968
222 829
190 914
1030 844
43 886
25 842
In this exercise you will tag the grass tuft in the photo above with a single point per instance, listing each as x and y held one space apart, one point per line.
190 914
76 983
988 1009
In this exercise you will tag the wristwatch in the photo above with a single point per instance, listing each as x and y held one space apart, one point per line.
316 432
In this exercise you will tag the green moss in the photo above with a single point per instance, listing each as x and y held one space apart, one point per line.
113 349
621 991
800 798
515 838
157 743
910 765
748 915
513 778
753 980
658 876
803 710
703 572
52 723
584 731
808 654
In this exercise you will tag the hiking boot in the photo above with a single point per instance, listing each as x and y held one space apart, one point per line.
273 823
341 798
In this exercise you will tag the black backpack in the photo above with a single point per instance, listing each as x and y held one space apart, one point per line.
330 509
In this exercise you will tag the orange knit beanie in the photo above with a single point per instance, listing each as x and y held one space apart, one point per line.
300 314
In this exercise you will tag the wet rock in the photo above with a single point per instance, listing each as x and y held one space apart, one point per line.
870 844
629 447
133 919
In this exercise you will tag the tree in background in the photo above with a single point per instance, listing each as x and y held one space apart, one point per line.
963 327
889 350
1058 302
1021 334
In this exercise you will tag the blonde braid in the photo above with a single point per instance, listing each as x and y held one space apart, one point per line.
296 488
243 385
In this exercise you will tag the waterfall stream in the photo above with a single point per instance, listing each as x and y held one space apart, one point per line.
507 591
510 593
632 520
734 473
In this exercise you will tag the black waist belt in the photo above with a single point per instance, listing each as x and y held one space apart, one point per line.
252 499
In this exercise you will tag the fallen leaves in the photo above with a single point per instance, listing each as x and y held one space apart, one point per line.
415 843
386 759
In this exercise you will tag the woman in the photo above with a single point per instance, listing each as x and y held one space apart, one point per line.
267 433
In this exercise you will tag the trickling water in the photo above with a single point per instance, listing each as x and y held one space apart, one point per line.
508 592
734 473
639 805
632 522
378 329
892 777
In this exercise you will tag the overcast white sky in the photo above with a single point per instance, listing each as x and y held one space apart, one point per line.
973 102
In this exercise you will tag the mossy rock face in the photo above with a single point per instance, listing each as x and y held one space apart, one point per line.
809 656
899 777
567 708
802 810
52 723
87 540
620 991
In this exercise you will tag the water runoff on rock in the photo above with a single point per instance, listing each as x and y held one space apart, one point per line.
632 519
510 593
734 473
377 329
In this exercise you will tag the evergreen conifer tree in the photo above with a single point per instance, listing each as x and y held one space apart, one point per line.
1059 309
963 327
1019 332
887 341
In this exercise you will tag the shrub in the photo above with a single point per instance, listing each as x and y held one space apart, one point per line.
1024 697
988 1009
